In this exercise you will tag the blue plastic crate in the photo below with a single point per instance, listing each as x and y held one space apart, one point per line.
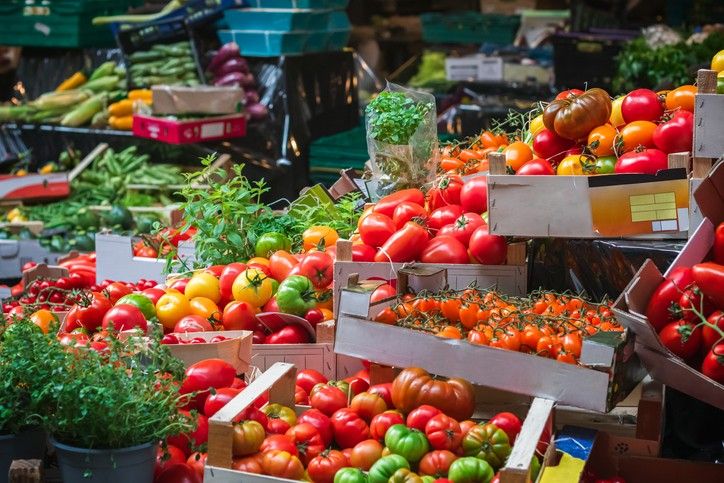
277 20
266 44
338 20
338 39
331 4
469 27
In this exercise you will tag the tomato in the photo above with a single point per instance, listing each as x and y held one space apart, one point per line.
349 428
420 416
248 436
444 216
406 211
489 443
571 165
249 464
323 468
197 462
195 438
709 277
208 373
387 204
414 387
153 294
368 405
491 140
143 303
713 364
239 316
206 308
536 125
709 336
124 317
647 161
550 146
635 134
270 242
308 378
227 277
317 267
488 249
203 284
308 440
602 139
365 454
470 470
116 290
281 263
450 187
450 164
536 167
382 422
443 432
676 135
605 164
616 119
641 105
279 442
357 385
165 458
463 228
321 422
252 286
508 422
575 116
681 98
516 155
296 295
437 463
363 253
282 464
318 235
179 284
681 338
568 93
383 469
444 249
171 307
350 475
668 292
376 229
90 313
192 323
177 473
328 399
404 245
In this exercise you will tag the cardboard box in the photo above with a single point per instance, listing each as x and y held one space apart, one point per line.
115 260
236 351
174 131
16 253
474 68
613 370
197 100
279 380
708 117
630 308
510 279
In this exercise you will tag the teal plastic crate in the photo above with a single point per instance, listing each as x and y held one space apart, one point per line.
469 28
338 4
58 23
256 43
277 20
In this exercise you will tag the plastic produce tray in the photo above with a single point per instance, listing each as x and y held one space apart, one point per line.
469 27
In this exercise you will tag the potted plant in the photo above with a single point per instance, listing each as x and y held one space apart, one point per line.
110 406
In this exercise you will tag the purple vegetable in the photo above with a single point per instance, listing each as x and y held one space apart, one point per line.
226 52
236 64
232 79
257 111
252 97
247 80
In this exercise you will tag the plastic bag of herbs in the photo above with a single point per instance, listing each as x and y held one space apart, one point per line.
401 139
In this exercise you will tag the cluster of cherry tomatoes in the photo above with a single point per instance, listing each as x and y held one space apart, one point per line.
546 324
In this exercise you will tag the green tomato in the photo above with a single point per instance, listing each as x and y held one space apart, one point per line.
143 303
470 470
270 242
487 442
534 468
605 164
428 479
350 475
408 443
385 467
296 295
720 84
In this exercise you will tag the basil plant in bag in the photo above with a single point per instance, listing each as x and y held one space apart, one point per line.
401 139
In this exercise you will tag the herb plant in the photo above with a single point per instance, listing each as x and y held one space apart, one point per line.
394 117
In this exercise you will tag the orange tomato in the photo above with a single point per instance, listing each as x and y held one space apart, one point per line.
314 235
565 357
635 134
517 154
259 261
478 337
205 308
386 316
469 315
324 299
467 155
681 98
572 344
44 319
449 164
450 309
492 140
450 332
602 138
327 314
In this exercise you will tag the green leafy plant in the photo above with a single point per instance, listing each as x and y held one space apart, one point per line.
394 117
343 218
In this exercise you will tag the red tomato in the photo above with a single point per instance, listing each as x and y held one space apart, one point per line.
406 211
317 267
419 417
321 421
443 432
641 105
404 245
474 195
308 378
550 146
349 428
488 249
463 228
281 264
676 135
509 423
279 442
314 316
177 473
713 365
681 338
192 323
668 292
117 290
357 385
322 468
291 334
328 399
175 455
239 316
180 284
91 316
365 454
569 93
708 335
201 376
387 204
536 167
444 216
375 229
197 462
197 437
383 390
368 405
124 317
446 191
218 400
444 249
363 253
153 294
646 161
308 440
382 292
382 422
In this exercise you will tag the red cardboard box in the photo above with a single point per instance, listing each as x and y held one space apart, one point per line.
176 131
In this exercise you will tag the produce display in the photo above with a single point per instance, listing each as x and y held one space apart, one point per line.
163 64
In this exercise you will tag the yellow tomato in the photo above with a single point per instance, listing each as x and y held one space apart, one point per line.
172 307
44 319
570 165
536 125
203 284
314 235
327 314
717 62
205 308
252 286
259 261
616 118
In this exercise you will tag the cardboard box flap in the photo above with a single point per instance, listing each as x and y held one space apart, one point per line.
696 248
710 194
418 277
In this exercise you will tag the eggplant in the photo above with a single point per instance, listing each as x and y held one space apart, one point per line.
235 64
226 52
232 79
251 97
257 111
